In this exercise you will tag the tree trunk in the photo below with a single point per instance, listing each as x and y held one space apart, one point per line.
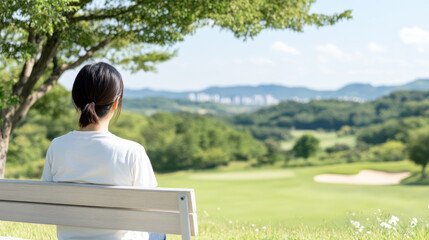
5 132
423 171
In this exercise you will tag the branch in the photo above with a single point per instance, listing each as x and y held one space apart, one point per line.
27 69
79 5
48 52
48 83
87 55
103 16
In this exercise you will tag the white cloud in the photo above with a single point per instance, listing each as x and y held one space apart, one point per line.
260 61
415 36
376 48
330 49
280 46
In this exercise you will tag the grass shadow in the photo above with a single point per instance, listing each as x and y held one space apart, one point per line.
415 179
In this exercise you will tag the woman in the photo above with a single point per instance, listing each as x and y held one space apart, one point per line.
93 154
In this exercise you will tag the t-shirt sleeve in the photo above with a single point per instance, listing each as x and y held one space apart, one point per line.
47 174
142 172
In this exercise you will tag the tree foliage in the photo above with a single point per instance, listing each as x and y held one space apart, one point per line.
418 150
184 140
338 147
394 129
306 146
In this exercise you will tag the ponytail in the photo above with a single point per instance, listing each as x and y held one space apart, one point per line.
88 115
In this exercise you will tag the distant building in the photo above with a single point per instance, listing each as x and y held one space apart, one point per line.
237 100
225 100
259 100
192 97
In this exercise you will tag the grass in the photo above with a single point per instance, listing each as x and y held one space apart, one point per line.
288 203
327 139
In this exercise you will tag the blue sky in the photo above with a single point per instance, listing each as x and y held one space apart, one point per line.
386 43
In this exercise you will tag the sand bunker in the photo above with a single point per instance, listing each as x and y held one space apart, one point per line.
368 177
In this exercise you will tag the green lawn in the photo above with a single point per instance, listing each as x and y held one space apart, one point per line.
267 203
327 139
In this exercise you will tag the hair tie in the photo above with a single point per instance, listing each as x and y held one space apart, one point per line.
92 103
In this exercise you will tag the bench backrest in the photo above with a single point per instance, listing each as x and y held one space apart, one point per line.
162 210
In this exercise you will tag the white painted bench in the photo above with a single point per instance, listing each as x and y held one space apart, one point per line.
161 210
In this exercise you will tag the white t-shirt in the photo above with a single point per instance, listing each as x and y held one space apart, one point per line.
98 157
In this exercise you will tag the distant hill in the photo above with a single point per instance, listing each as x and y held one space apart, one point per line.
357 91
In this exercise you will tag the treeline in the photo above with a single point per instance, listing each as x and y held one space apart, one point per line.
185 140
334 114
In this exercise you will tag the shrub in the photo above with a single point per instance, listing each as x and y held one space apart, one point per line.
338 147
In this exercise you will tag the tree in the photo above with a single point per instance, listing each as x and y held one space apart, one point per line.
273 153
306 146
418 150
40 40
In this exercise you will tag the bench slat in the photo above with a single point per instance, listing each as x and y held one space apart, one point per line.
95 195
107 218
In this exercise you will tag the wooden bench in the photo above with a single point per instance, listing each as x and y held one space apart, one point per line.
161 210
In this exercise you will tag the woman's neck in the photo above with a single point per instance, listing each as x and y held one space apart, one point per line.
94 127
102 125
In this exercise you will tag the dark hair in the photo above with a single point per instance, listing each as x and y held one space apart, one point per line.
95 89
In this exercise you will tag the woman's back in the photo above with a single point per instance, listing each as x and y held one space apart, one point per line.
97 157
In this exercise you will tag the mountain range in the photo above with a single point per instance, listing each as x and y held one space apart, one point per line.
357 90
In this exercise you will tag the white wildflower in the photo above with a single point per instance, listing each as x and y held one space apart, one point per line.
393 220
242 227
361 228
368 232
264 227
385 225
253 225
355 223
256 230
413 222
230 221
